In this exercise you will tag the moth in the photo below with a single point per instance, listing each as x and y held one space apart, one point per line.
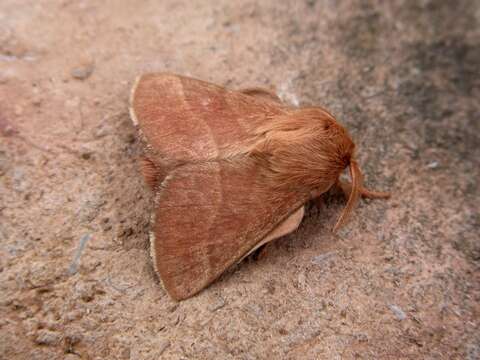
230 172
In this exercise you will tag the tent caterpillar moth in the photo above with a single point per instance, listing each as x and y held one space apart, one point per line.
231 170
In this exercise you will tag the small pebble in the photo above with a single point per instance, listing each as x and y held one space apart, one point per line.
398 312
47 337
86 156
433 165
323 258
218 303
82 72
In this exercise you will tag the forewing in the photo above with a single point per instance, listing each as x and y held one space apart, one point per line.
184 119
208 217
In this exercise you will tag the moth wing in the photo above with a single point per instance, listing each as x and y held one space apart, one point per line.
262 93
185 119
209 216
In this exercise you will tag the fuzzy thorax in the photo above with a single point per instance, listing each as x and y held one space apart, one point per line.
306 148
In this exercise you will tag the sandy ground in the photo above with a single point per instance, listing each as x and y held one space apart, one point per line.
400 281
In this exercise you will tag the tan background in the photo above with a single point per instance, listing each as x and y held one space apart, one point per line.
401 280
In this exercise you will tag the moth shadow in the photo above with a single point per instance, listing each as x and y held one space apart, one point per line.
132 199
314 233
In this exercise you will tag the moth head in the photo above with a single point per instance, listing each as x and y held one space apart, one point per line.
335 153
308 149
305 148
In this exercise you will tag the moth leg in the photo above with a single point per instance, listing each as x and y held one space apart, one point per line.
346 187
150 172
261 93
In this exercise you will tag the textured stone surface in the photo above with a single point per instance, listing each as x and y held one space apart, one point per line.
401 75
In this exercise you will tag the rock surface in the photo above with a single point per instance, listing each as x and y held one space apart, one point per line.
403 78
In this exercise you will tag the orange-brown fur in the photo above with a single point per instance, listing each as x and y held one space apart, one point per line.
307 149
228 168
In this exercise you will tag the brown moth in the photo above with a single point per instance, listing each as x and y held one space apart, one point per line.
231 171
